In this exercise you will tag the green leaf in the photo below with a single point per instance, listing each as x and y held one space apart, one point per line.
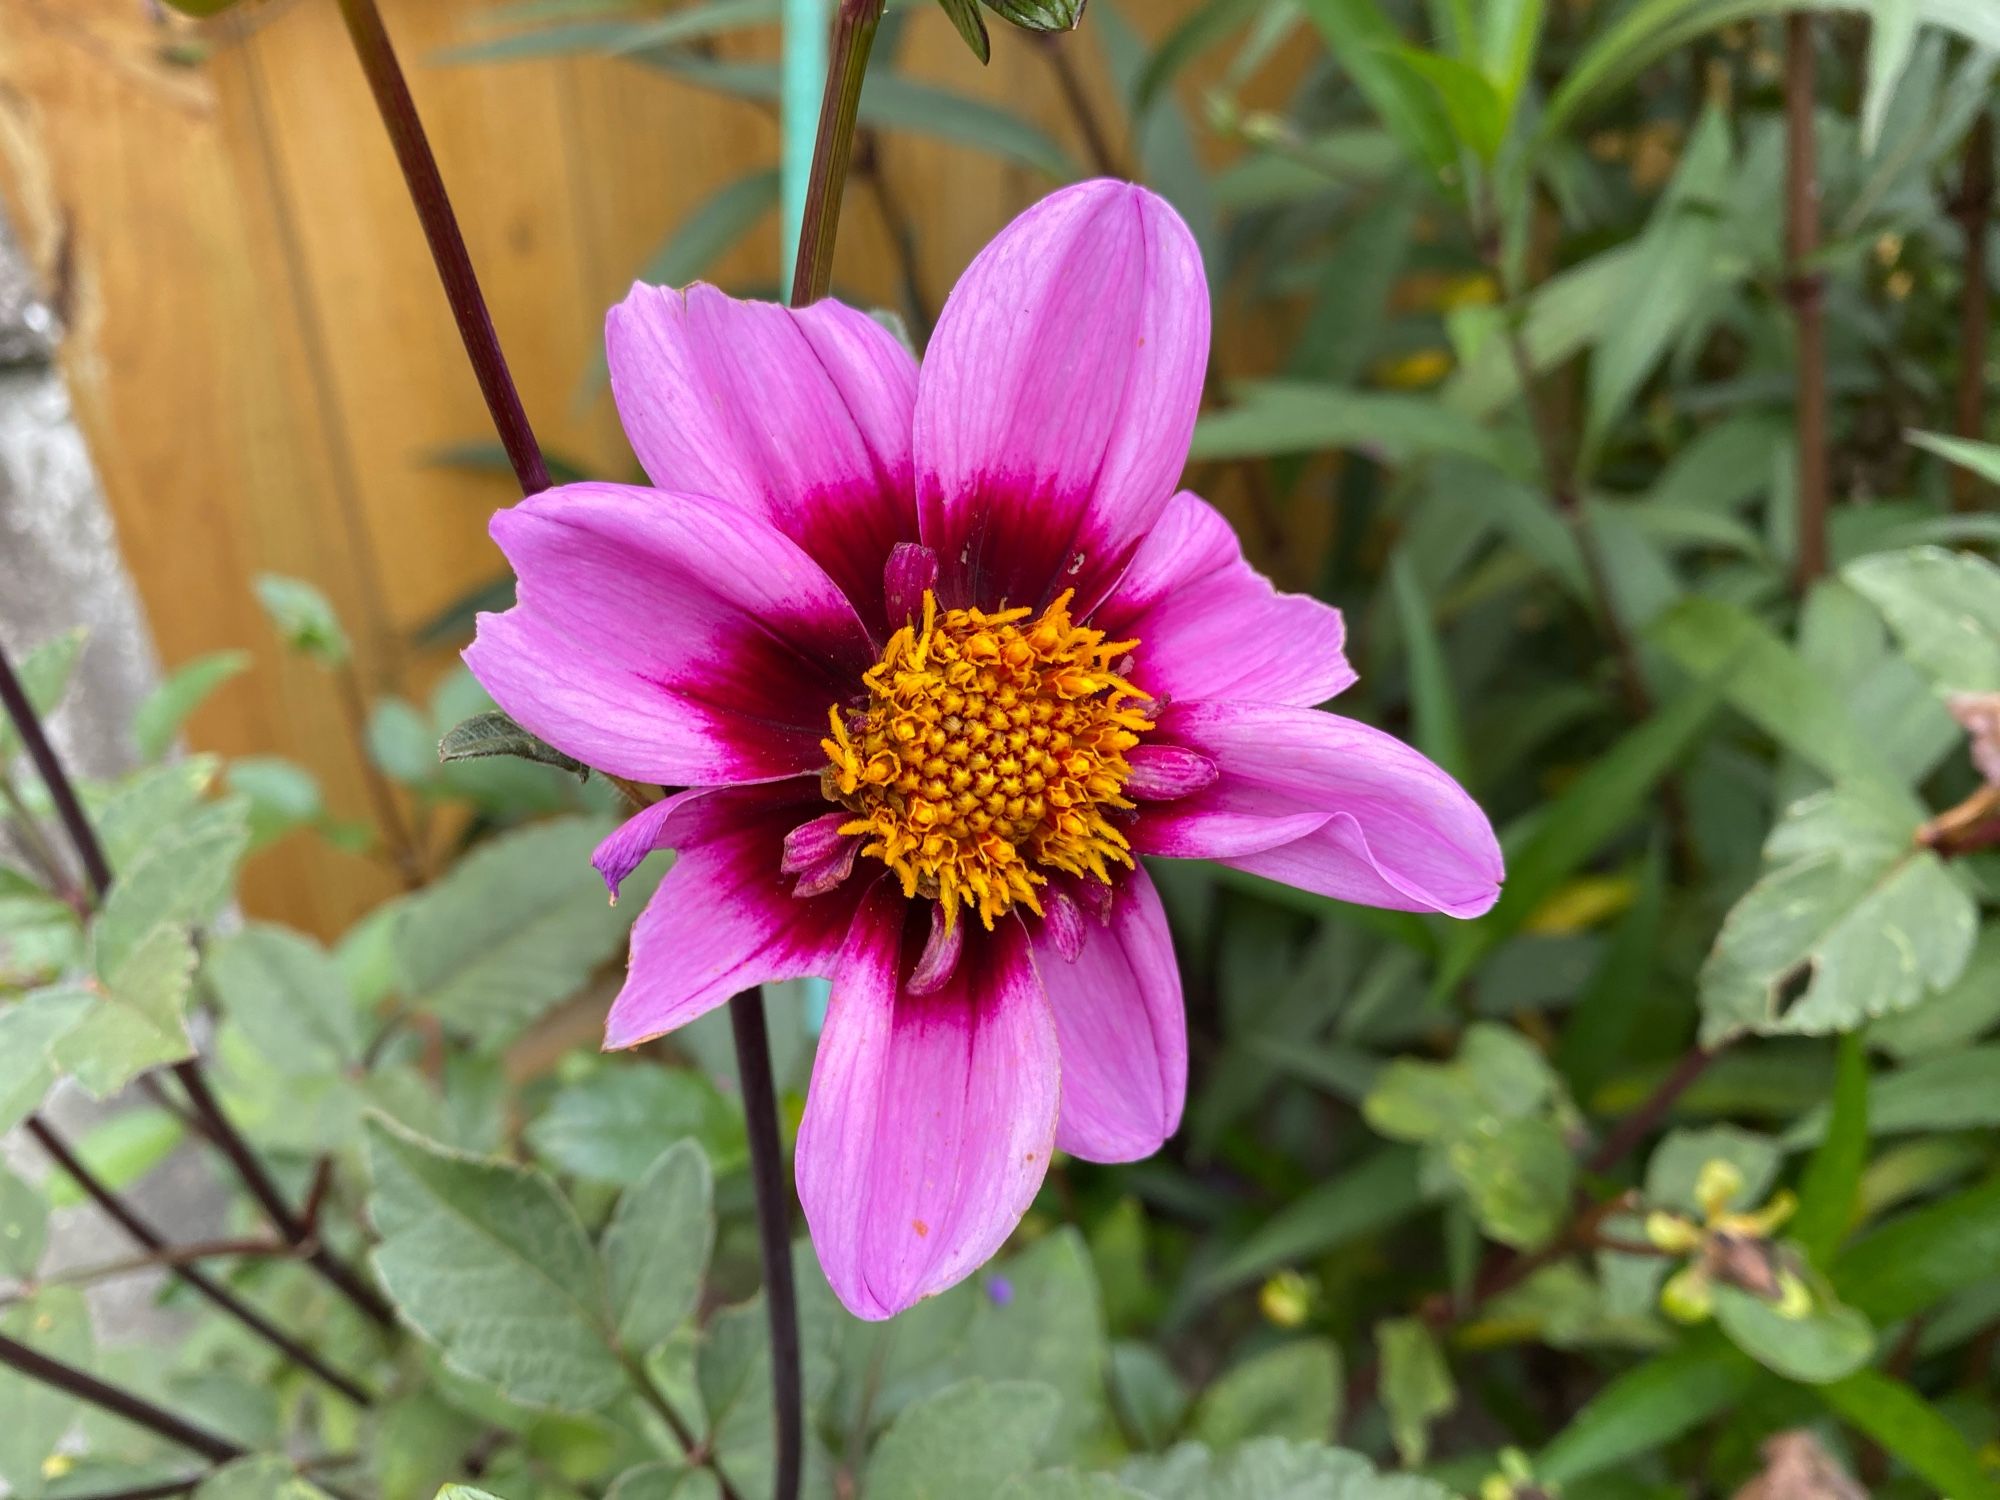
265 1477
118 1152
159 718
1190 38
1829 1193
400 742
1150 1400
1892 33
1952 1091
1362 39
28 1028
1271 1469
1049 1328
146 804
1982 459
490 734
1888 1411
181 879
1265 418
889 102
56 1323
1617 787
657 1246
512 929
304 619
1067 1484
1913 1263
1961 1012
1765 681
1416 1384
1944 607
1853 922
44 674
24 1223
665 1481
971 26
289 997
706 234
1671 273
1292 1391
1379 1192
1649 1406
1828 1342
1508 32
489 1263
962 1443
136 1021
1040 15
613 1126
1477 112
1433 702
281 795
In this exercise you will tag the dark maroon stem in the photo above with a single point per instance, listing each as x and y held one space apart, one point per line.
774 1230
145 1235
122 1403
209 1116
1647 1117
454 265
833 148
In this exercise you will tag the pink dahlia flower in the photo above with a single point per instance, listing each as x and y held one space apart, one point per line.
936 654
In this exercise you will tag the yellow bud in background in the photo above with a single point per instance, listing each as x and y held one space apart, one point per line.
1286 1299
1688 1296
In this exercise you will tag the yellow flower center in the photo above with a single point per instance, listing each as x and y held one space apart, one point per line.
988 754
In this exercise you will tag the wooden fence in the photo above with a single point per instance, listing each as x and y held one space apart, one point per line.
258 349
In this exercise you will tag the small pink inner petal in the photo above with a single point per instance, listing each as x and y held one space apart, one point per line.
811 844
939 960
1165 773
830 873
1063 920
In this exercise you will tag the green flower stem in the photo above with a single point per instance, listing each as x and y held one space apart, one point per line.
448 252
853 39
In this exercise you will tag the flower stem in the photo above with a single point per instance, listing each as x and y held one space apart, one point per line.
1805 288
853 39
213 1122
774 1226
146 1236
122 1403
454 265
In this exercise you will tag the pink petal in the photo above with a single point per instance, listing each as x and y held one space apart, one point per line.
725 917
1211 626
930 1119
1167 773
1058 396
638 836
667 640
802 417
1122 1029
1388 828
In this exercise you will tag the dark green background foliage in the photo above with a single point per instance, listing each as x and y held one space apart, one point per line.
1687 1145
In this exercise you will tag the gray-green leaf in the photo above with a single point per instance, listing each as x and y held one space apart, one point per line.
656 1248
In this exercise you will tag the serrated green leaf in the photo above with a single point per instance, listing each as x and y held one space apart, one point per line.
1945 609
512 929
657 1246
488 1262
1292 1391
28 1028
612 1126
1854 922
136 1020
962 1443
289 997
1962 1012
180 879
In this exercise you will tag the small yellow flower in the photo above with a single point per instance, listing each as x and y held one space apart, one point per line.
1286 1300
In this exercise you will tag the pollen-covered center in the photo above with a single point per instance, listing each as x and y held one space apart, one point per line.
989 752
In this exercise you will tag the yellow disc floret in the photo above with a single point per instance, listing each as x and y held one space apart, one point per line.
988 753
